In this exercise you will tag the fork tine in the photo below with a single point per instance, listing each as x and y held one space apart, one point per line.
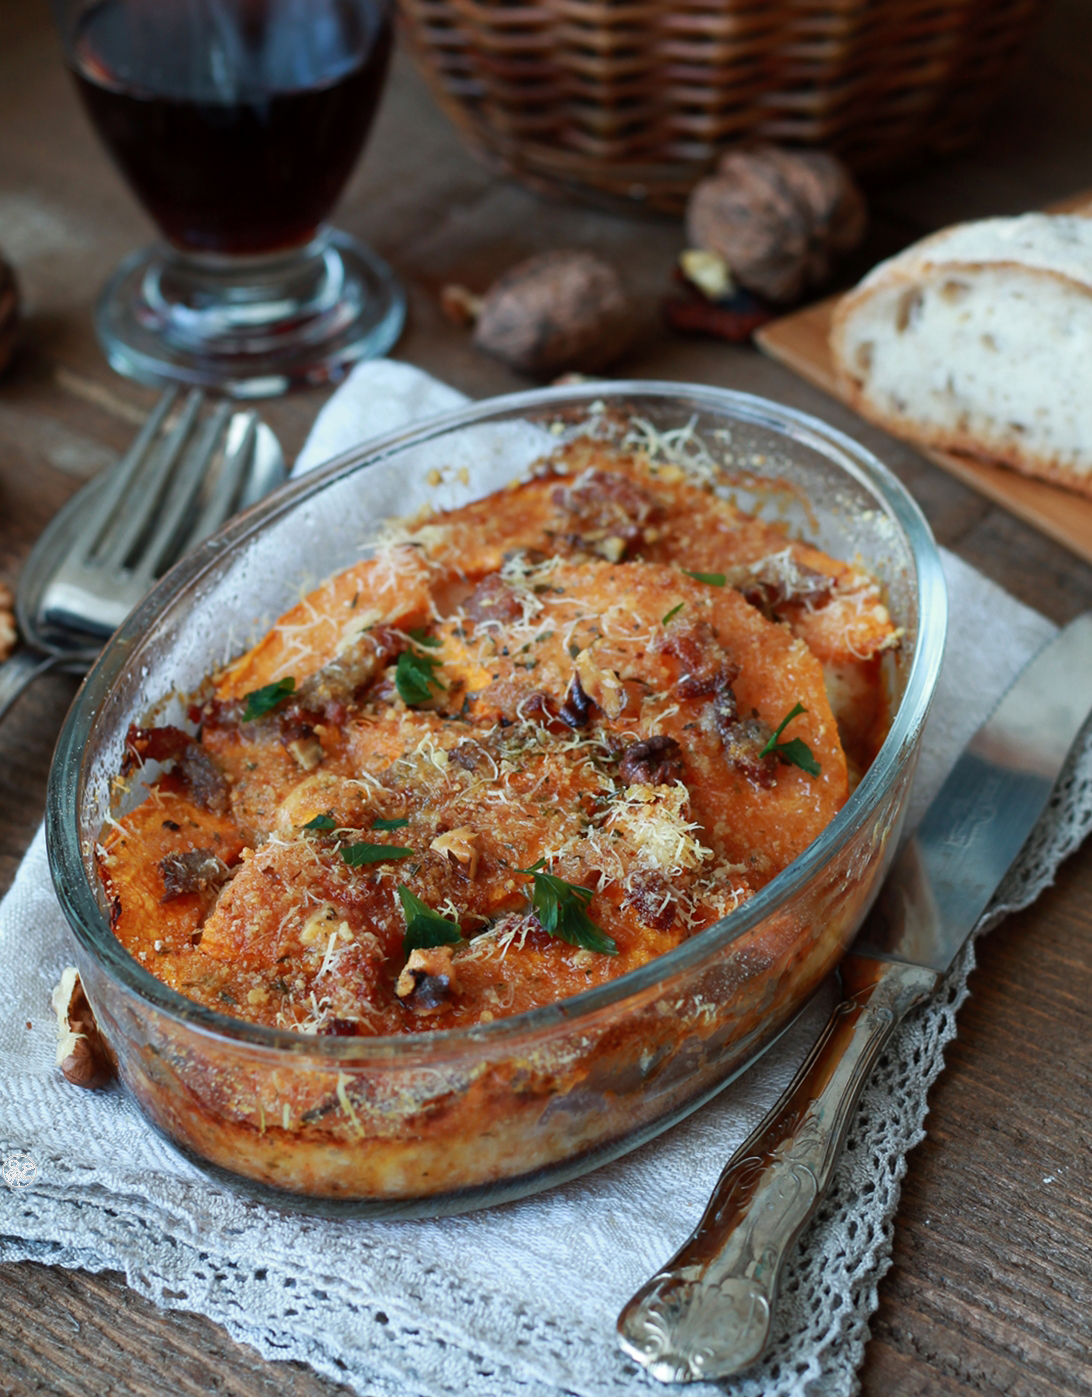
102 512
138 508
225 493
157 555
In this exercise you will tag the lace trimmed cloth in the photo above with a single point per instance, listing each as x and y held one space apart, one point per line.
517 1301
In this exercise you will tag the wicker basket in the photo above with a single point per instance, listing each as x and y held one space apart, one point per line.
634 100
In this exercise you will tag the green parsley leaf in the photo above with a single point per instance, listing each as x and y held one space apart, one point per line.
715 579
415 677
389 824
259 702
424 927
320 822
673 612
421 637
356 855
560 909
796 751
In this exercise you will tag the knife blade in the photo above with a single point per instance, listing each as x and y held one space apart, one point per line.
707 1314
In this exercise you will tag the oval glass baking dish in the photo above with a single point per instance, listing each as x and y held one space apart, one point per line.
438 1122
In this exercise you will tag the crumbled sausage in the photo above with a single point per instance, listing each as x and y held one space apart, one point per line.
340 1028
142 745
743 744
192 872
493 600
742 739
428 979
778 580
467 754
656 762
358 664
649 895
605 511
204 781
704 668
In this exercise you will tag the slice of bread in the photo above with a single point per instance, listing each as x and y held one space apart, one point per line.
979 339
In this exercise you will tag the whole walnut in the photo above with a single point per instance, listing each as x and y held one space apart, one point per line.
777 217
556 312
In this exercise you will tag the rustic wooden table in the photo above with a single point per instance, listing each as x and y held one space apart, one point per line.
991 1289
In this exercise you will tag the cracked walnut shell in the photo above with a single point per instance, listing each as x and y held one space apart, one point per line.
83 1054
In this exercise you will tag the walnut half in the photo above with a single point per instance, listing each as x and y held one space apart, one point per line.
83 1054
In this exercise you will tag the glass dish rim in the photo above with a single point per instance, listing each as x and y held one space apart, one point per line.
91 928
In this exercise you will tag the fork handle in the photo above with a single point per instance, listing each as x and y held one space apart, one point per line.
20 671
707 1314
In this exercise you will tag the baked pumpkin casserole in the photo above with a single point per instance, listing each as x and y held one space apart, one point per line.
526 746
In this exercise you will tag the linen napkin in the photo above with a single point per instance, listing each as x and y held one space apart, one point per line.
516 1301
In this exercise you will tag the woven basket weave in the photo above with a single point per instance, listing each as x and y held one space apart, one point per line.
635 99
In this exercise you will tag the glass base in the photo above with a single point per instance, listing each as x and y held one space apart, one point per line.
250 327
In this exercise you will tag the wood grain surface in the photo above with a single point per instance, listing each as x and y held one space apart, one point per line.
991 1288
801 341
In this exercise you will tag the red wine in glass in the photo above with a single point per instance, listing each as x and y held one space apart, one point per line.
237 123
237 139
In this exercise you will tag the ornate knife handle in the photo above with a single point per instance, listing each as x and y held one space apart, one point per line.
707 1314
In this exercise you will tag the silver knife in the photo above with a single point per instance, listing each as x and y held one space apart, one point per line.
707 1314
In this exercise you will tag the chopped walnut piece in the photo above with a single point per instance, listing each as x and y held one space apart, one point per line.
601 685
306 751
428 979
8 633
576 710
657 762
461 844
83 1054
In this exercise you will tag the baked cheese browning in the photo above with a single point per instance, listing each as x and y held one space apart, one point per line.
598 688
616 505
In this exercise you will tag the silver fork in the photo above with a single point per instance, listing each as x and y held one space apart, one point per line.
178 482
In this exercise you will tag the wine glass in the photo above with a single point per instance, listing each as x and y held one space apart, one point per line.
236 124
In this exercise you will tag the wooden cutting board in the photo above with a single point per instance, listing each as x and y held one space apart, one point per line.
800 341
